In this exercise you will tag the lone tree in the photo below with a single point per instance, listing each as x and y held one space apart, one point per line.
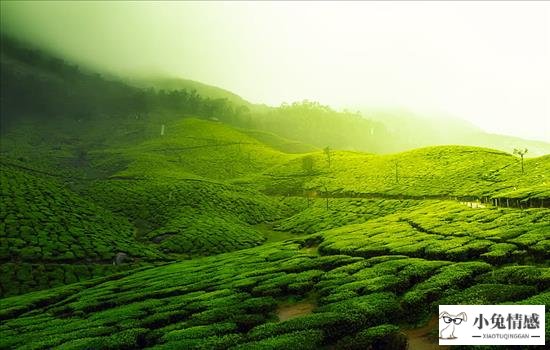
521 153
326 150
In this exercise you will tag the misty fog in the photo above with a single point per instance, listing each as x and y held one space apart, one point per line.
434 59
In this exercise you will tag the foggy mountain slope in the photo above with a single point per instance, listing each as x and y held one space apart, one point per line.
407 130
171 83
411 130
36 83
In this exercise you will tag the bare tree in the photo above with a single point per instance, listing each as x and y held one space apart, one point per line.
521 153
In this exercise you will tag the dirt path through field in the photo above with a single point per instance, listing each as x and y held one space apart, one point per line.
419 337
288 311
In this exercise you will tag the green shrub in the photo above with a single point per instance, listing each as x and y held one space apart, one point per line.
208 343
199 332
383 337
489 294
301 340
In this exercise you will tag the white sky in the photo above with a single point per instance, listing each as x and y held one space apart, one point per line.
486 62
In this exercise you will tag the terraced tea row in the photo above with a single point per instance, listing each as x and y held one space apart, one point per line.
189 216
435 172
230 300
451 231
44 222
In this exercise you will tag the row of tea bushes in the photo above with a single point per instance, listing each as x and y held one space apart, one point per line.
19 278
340 212
449 231
230 301
192 217
42 221
440 172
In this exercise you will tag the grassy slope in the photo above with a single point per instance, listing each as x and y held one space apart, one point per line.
172 187
205 148
280 143
162 195
376 260
49 235
230 300
432 171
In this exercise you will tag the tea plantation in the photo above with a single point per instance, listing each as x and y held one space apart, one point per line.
436 172
230 301
232 239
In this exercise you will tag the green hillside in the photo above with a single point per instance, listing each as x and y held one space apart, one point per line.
163 218
280 143
169 83
361 294
433 172
204 148
165 195
50 235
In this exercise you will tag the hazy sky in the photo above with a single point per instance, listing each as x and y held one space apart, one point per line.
486 62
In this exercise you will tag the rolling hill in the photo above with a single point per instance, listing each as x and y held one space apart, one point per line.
238 233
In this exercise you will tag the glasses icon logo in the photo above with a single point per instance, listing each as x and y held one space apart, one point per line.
448 319
449 324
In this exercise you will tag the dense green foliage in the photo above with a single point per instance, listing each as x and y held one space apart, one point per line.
230 300
449 230
192 216
50 235
42 221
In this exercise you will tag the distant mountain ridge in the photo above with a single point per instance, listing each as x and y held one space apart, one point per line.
172 83
38 83
415 131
